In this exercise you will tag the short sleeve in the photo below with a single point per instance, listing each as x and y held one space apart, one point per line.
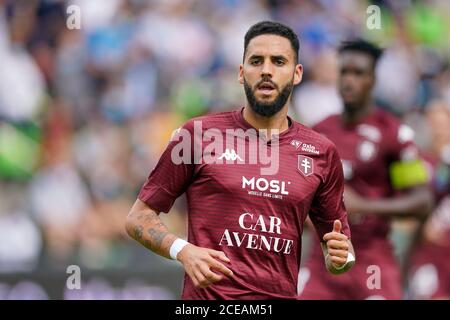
402 147
173 172
328 203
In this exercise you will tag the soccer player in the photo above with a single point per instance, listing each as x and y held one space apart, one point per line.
384 178
245 225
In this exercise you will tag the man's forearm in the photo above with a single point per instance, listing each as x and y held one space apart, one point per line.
417 203
145 226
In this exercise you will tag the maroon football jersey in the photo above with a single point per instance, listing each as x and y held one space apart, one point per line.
367 149
256 219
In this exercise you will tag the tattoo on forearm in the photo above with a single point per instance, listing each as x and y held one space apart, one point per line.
147 217
157 237
155 234
138 232
141 215
159 225
147 244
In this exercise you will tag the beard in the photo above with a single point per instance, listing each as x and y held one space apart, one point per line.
268 109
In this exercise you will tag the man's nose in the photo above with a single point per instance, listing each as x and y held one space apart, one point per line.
348 80
267 69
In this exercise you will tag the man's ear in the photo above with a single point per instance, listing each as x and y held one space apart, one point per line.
241 74
298 74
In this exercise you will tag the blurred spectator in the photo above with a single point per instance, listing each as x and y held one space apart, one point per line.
318 98
85 114
22 86
20 239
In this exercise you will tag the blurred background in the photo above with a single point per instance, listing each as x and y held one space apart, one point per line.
85 114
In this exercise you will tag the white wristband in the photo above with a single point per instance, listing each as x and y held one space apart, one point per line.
350 258
176 247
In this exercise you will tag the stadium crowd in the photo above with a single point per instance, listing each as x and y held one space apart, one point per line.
85 113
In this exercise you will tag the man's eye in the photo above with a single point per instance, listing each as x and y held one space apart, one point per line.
279 62
254 62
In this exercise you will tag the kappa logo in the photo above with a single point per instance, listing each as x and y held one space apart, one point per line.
305 165
230 155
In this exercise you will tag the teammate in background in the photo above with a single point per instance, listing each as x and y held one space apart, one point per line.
429 273
245 228
379 159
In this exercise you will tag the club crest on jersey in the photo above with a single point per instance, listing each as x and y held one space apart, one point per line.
305 165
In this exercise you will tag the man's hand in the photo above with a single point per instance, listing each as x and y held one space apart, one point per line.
337 249
198 262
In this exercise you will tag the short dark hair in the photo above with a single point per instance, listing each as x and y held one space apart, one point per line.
272 27
360 45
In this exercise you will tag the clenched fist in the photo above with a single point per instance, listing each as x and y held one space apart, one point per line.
338 248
